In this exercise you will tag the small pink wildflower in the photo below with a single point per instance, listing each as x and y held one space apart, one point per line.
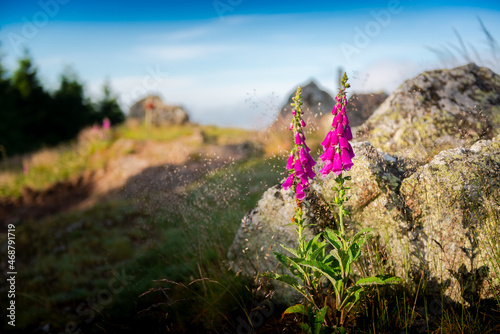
106 124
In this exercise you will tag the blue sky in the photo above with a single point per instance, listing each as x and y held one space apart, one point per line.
234 62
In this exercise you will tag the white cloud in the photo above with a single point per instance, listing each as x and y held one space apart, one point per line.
181 33
190 33
182 52
384 75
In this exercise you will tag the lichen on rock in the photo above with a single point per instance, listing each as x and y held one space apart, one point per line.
455 203
439 221
437 110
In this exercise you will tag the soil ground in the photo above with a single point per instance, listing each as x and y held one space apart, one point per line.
153 167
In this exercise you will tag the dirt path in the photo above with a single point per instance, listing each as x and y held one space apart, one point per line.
152 168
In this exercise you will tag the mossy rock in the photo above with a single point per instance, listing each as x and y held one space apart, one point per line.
439 221
453 204
437 110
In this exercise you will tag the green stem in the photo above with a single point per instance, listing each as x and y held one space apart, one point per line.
301 242
341 223
341 216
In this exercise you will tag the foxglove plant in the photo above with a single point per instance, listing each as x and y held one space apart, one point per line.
338 151
299 162
310 264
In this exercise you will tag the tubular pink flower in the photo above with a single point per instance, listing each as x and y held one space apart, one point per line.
298 168
337 164
335 109
300 192
326 142
310 173
350 151
289 181
348 132
307 163
327 168
298 139
303 179
310 161
327 157
340 129
343 143
331 140
337 119
289 163
307 147
335 139
346 159
302 156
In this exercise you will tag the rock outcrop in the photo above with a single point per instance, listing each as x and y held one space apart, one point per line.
453 219
439 221
265 228
437 110
316 103
361 106
152 110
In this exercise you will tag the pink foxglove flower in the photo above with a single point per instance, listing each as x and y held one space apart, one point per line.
106 124
289 164
338 152
299 162
289 181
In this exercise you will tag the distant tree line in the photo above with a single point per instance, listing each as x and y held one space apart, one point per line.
32 117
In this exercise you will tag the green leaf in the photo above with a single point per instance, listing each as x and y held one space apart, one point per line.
343 259
318 320
333 238
299 308
305 328
320 250
291 250
353 294
291 264
312 243
332 262
379 280
288 280
354 252
331 275
365 233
